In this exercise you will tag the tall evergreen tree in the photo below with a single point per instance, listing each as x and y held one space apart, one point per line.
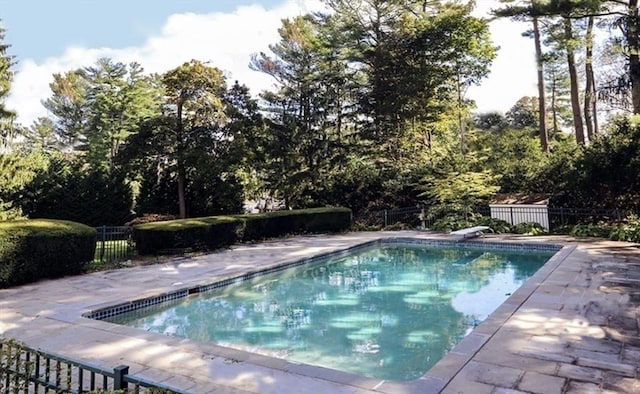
119 97
590 93
557 84
6 77
414 61
68 105
542 100
98 107
309 109
41 137
368 83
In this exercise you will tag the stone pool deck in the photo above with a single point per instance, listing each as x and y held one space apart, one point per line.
572 328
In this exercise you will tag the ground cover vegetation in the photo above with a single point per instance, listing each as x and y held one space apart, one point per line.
369 112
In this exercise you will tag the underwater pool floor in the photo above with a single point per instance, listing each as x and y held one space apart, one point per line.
567 330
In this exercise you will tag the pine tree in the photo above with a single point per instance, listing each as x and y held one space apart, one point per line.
6 77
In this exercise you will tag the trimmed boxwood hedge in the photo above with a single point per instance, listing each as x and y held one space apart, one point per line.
198 233
35 249
220 231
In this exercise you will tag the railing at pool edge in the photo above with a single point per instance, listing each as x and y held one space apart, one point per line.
24 369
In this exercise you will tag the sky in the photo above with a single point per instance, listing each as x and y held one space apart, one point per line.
48 37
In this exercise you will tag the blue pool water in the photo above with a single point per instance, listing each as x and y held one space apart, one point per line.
389 311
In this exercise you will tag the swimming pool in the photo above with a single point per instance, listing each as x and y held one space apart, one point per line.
389 310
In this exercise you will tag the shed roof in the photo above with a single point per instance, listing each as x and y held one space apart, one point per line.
520 198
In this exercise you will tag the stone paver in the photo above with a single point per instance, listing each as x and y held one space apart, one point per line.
492 374
461 386
533 382
581 374
569 329
500 390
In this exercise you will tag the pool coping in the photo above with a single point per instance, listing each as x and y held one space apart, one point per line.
20 317
466 347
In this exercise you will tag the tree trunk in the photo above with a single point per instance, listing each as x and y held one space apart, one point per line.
573 77
460 119
634 56
589 90
182 175
554 110
542 104
594 106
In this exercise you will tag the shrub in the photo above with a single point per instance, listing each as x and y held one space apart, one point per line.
199 233
498 226
565 229
628 231
529 228
364 226
34 249
67 190
455 221
219 231
279 223
149 218
591 230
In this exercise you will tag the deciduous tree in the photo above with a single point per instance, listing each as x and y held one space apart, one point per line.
194 95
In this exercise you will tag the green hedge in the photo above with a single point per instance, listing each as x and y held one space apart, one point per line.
35 249
220 231
199 233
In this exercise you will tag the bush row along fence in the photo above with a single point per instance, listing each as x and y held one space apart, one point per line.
185 235
117 244
552 218
26 370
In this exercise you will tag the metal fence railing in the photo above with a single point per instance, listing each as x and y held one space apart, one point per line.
409 216
553 217
422 216
114 243
571 216
26 370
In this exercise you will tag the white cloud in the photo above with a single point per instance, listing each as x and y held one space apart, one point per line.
227 40
513 73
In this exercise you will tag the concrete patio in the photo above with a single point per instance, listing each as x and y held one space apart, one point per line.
572 328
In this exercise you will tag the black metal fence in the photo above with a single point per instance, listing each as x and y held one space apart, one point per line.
26 370
571 216
552 217
422 216
388 217
115 243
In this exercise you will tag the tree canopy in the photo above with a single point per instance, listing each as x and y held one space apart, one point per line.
368 111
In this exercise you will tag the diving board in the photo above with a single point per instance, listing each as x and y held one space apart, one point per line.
471 232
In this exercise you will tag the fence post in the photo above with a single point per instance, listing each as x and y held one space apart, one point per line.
119 373
385 218
102 243
423 218
511 214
